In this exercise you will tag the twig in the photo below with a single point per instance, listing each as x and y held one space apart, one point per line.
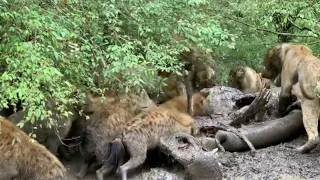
60 139
303 28
314 42
269 31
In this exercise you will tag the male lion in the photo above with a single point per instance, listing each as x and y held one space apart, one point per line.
300 72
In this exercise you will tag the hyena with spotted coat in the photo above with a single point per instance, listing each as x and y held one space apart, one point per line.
143 133
108 116
24 159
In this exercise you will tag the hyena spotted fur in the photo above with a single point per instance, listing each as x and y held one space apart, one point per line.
144 131
22 158
108 115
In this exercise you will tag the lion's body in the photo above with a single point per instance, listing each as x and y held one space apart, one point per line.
300 74
200 64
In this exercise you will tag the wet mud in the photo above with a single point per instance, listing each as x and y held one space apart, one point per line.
278 162
141 173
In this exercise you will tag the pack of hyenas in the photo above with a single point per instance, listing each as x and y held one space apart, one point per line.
122 128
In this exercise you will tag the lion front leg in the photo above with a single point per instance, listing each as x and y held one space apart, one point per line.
285 100
285 97
310 114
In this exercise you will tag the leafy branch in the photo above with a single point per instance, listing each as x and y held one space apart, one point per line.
272 32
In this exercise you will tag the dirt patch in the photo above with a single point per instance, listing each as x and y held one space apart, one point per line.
278 162
141 173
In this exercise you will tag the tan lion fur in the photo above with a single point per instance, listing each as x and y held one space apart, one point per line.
204 67
174 87
300 73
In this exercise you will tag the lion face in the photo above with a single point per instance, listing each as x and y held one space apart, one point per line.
273 61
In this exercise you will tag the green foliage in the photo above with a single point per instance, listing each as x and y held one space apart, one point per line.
51 48
60 48
258 26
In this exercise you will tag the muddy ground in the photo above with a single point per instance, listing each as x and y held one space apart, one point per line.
275 162
278 162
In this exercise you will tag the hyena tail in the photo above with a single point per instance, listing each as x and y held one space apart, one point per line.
116 154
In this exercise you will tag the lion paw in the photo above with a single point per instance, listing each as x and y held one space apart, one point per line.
310 145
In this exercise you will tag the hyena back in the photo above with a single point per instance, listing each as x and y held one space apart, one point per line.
21 158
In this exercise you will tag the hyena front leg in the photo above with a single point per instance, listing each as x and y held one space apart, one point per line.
138 154
310 115
88 160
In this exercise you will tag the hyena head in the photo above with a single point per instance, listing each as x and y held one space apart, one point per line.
137 102
199 103
95 103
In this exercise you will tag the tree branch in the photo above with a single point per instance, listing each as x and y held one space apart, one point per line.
269 31
303 28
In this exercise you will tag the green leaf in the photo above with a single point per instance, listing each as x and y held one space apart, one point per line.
56 55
